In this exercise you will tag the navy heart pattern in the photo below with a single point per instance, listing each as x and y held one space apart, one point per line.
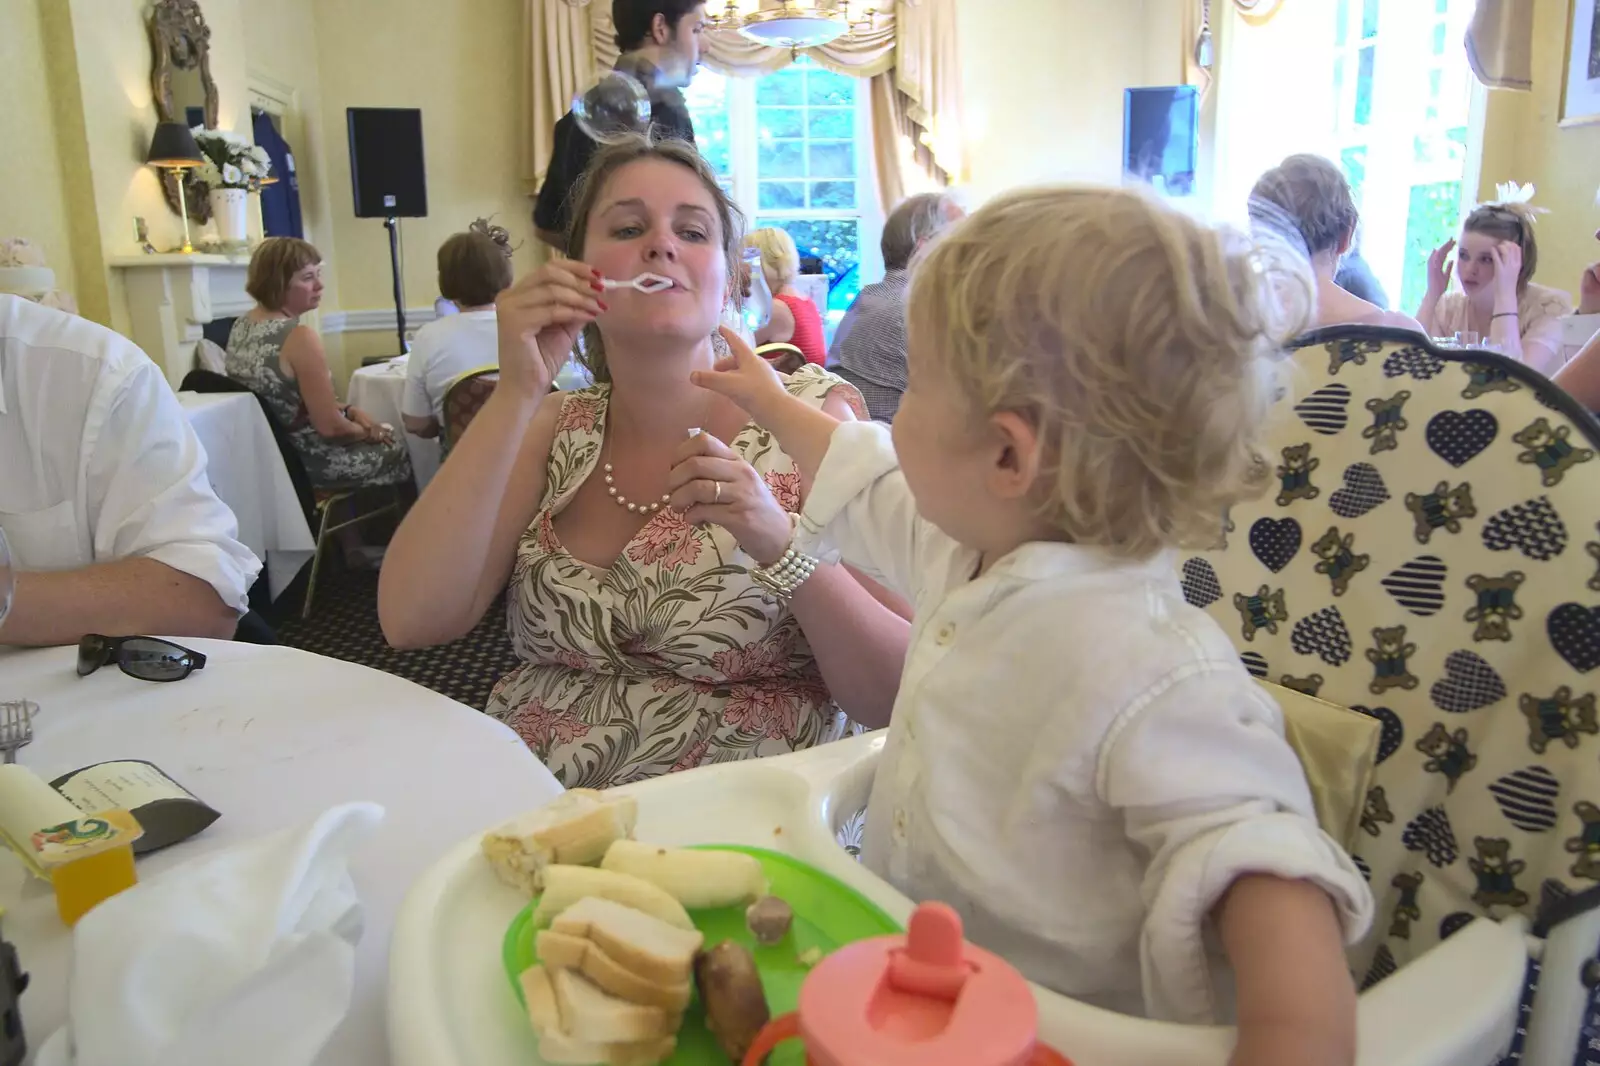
1575 634
1430 833
1275 541
1528 798
1361 864
1454 923
1533 528
1458 437
1414 362
1327 410
1363 490
1200 585
1324 635
1391 732
1418 586
1469 683
1256 665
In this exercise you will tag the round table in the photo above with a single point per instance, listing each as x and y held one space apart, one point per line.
380 390
271 737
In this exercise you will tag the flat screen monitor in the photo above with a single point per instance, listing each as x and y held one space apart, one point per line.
1161 137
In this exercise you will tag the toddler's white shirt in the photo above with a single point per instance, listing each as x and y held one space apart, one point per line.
1078 761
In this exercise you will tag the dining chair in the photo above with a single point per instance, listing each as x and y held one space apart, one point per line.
463 399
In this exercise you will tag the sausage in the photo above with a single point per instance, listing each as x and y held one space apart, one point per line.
730 991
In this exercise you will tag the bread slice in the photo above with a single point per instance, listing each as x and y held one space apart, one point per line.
649 947
557 1049
576 827
565 885
540 996
695 878
598 1017
562 951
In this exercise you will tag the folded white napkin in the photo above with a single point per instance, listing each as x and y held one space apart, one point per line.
245 956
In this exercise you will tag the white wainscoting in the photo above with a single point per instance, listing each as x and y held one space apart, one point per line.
379 320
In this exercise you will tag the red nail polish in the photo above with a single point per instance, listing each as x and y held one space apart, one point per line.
596 286
603 305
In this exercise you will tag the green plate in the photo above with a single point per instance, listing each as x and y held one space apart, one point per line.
827 915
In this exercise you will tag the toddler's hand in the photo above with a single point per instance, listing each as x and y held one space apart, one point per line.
743 377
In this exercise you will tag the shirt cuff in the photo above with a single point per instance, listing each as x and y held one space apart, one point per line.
226 565
859 453
1178 982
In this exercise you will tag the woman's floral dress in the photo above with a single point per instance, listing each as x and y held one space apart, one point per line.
672 658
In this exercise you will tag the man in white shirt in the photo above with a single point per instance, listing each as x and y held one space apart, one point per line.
473 268
104 501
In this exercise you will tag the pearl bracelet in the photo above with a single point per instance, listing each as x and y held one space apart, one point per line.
785 576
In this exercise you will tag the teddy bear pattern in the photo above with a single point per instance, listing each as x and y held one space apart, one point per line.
1429 554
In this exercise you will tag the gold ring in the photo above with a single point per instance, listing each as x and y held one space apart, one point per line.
718 497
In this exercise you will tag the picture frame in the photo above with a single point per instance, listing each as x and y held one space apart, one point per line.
1580 90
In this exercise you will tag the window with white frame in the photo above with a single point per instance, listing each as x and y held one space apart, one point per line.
793 148
1382 87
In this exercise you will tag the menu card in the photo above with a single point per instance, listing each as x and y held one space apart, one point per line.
168 812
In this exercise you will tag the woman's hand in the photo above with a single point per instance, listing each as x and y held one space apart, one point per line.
1440 268
540 318
743 377
373 431
709 482
1507 272
1589 291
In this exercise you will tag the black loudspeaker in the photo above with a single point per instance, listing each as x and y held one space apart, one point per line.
386 169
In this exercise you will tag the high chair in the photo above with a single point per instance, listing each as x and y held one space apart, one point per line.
1426 554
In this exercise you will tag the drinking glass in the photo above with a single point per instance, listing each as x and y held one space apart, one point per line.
758 297
1466 338
8 579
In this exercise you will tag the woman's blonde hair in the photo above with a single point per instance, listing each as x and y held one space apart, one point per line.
1140 343
779 256
586 197
1315 196
1510 221
273 265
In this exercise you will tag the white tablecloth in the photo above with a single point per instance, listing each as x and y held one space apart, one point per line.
378 390
270 737
247 474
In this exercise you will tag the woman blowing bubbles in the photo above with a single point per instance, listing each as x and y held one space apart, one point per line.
630 547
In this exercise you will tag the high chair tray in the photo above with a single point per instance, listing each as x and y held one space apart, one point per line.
451 1005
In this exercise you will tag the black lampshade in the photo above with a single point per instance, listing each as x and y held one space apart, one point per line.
173 146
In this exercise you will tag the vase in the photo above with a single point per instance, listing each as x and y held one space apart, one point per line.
228 208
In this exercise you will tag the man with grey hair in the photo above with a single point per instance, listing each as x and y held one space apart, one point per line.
869 349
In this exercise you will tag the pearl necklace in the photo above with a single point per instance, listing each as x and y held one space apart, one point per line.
622 501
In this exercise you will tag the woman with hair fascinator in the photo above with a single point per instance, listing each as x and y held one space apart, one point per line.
1498 301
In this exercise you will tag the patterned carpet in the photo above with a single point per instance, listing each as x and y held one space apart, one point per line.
344 625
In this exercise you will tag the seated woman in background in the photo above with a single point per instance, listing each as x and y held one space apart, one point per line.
1500 302
473 269
1314 197
795 319
1581 377
283 363
647 597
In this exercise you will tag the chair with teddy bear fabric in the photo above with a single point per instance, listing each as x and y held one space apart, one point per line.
1427 555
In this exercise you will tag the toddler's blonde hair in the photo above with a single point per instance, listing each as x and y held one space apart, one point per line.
1139 341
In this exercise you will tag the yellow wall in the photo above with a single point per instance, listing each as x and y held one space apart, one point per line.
1522 142
32 197
459 64
1044 85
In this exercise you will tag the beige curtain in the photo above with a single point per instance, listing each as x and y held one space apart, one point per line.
909 52
557 62
1500 43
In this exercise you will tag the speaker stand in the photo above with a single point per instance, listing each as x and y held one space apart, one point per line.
392 224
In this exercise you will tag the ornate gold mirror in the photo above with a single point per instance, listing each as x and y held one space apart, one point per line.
180 81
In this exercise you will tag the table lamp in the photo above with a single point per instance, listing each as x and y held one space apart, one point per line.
173 148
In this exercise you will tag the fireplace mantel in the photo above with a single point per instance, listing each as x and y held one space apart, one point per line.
171 296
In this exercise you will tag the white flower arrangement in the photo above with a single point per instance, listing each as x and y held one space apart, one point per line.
232 162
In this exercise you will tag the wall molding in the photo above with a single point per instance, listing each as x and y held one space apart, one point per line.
374 320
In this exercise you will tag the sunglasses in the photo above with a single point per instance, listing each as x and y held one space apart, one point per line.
146 658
